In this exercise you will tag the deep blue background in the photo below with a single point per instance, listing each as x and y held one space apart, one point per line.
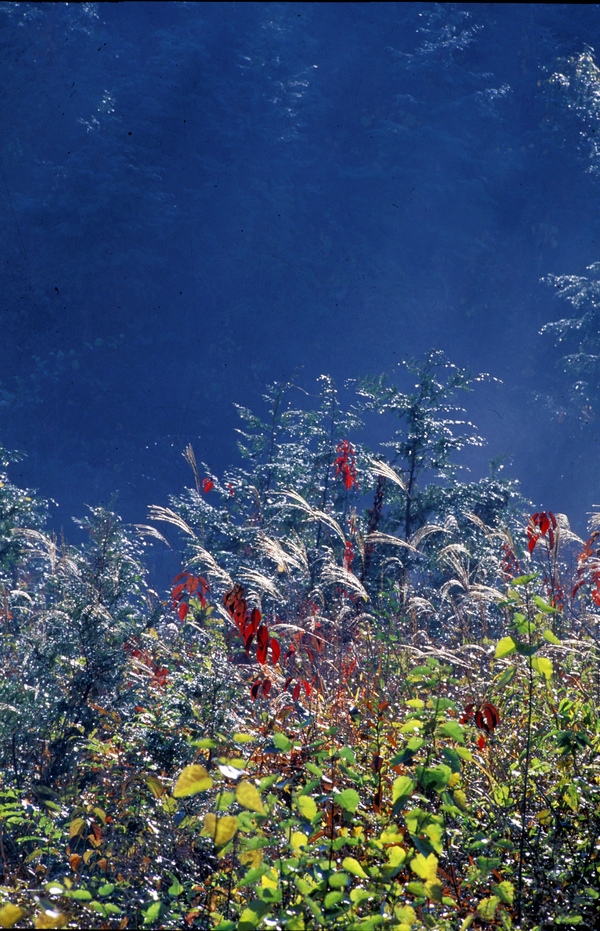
199 199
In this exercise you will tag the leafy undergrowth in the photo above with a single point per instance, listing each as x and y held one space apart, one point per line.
335 720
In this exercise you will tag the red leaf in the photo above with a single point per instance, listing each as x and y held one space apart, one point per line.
275 651
183 610
192 583
262 636
307 687
254 689
177 591
266 687
296 691
481 741
207 485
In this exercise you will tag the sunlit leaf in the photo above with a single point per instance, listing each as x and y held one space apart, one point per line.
9 915
249 796
349 800
220 829
505 891
353 866
550 637
76 827
192 780
402 789
425 867
307 807
543 665
505 647
487 907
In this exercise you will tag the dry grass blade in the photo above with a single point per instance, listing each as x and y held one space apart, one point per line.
378 537
337 575
156 512
275 551
204 558
260 581
145 530
190 457
382 468
297 501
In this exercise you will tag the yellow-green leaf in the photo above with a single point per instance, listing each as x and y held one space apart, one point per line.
505 891
505 647
9 915
50 918
193 779
249 796
425 867
220 829
550 637
487 907
349 800
155 786
298 840
543 665
354 867
307 807
403 788
76 827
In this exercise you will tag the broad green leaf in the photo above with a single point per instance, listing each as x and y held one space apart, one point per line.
505 891
506 676
192 780
403 788
349 800
332 898
220 829
9 915
152 913
224 800
524 579
353 866
106 889
505 647
175 888
425 867
544 607
396 856
543 665
282 742
487 907
338 880
249 796
406 915
307 807
243 738
252 916
454 730
416 703
550 637
298 840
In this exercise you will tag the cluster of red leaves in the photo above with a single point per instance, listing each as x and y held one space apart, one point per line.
191 586
511 567
485 716
250 628
540 524
348 556
344 465
588 568
207 485
159 673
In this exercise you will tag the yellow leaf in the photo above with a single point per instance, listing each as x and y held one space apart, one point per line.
9 915
76 827
252 858
396 856
193 779
249 796
298 840
270 879
425 867
50 918
220 829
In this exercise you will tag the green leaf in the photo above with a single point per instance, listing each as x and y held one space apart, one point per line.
505 892
487 907
544 607
524 579
349 800
192 780
152 913
543 665
550 637
505 647
425 867
282 742
307 807
332 898
354 867
106 889
454 730
243 738
175 888
402 789
506 676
